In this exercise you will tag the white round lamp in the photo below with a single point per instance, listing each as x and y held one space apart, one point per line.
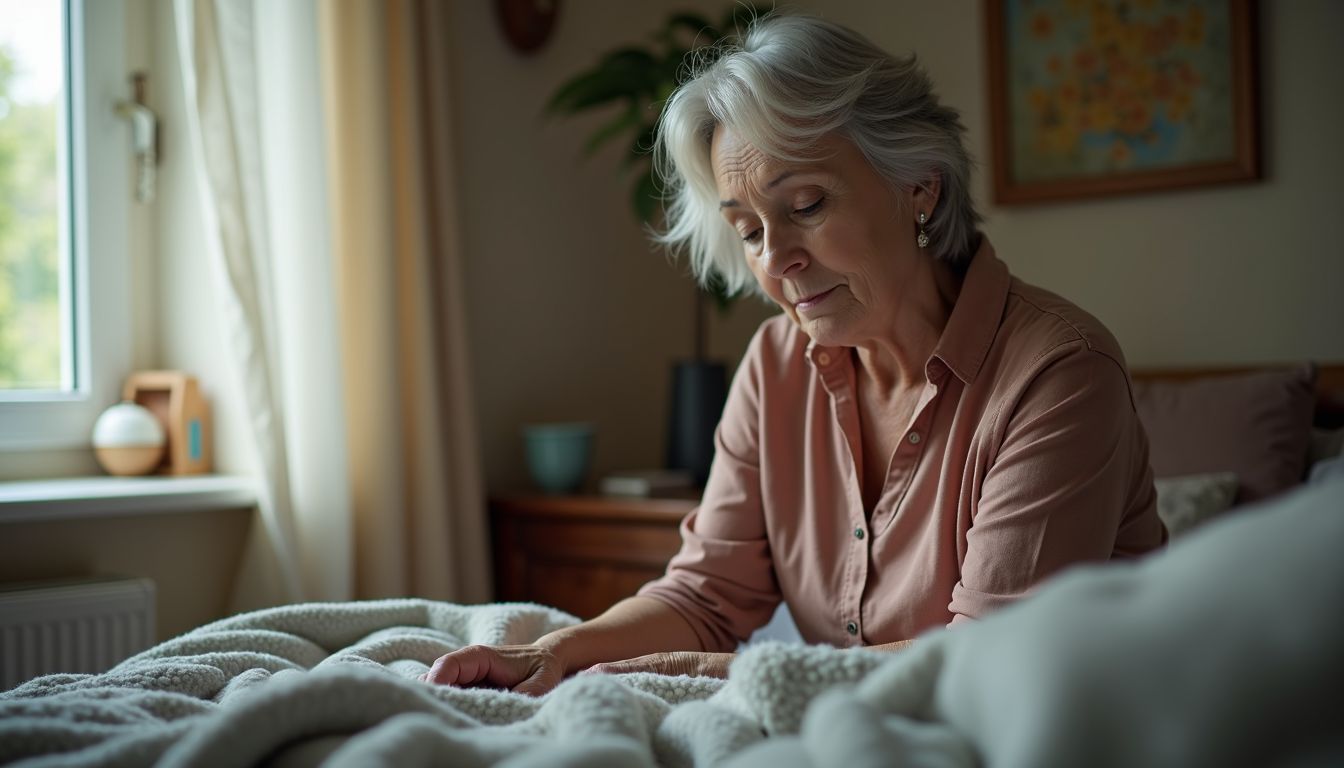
128 440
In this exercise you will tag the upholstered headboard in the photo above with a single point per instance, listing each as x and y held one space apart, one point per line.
1220 437
1329 384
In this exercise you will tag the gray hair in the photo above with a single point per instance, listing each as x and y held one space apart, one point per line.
792 81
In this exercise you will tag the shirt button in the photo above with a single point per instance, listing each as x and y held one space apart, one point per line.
914 438
824 359
858 533
852 628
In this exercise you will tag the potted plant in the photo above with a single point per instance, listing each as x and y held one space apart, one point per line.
639 79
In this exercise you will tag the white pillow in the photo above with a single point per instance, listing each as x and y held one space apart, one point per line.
1220 650
1325 444
1185 502
1326 468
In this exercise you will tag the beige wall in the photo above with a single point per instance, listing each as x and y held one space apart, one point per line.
572 316
191 557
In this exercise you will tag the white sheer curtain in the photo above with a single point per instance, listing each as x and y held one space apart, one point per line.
327 188
218 60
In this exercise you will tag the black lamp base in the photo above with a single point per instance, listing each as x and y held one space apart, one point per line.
699 390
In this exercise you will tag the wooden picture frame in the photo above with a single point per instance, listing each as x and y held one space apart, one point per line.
1103 97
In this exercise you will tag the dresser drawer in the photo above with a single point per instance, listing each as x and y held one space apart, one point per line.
581 554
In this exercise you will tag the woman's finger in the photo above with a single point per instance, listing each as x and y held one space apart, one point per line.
483 664
523 668
449 668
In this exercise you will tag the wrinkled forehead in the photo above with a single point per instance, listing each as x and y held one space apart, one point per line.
737 162
734 159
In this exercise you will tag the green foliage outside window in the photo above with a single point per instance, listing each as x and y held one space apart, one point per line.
30 321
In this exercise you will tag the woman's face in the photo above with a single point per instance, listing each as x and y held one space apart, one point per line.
829 240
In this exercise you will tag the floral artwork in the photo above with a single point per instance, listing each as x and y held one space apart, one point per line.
1101 89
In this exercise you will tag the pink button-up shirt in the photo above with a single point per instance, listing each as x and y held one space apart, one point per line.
1025 455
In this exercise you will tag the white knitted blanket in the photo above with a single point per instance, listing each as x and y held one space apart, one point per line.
1222 651
336 682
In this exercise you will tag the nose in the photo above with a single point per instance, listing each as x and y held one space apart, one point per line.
781 252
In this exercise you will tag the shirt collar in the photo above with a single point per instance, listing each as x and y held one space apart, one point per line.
970 329
977 314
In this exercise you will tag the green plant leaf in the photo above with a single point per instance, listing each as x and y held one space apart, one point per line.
699 29
590 89
671 70
626 120
665 90
737 18
637 66
644 195
642 148
717 288
626 73
628 57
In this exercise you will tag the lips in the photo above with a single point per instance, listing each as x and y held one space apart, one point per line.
814 299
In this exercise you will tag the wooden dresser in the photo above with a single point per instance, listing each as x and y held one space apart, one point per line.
581 553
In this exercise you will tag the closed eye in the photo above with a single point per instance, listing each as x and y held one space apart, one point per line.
811 209
752 236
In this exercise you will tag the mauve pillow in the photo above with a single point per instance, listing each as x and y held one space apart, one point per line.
1256 425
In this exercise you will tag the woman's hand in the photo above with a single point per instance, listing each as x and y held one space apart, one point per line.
529 669
633 626
691 663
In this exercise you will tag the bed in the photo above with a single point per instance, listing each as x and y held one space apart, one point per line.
1222 650
1221 438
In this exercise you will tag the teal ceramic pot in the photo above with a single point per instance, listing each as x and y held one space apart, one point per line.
558 455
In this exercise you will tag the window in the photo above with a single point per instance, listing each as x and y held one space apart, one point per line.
64 219
34 195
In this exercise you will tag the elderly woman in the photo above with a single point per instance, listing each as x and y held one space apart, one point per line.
919 438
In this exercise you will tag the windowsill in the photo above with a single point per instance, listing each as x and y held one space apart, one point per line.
82 498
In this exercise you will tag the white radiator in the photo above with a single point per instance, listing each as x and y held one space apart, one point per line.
72 626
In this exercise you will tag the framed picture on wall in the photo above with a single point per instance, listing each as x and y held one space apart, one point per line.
1100 97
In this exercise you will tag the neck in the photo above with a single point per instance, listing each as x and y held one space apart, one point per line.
895 360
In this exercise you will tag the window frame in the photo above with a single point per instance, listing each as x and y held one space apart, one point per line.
96 278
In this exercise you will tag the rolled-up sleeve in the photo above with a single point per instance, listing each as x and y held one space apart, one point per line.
1062 482
722 581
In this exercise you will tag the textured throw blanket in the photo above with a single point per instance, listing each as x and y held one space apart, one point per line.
1224 650
308 683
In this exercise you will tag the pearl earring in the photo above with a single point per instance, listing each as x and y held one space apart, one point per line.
923 239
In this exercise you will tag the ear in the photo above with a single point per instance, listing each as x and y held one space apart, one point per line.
925 195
